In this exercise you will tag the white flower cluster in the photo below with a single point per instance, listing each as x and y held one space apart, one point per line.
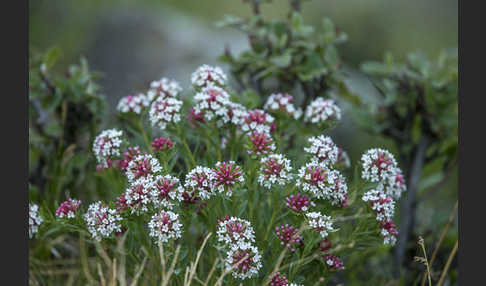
378 165
212 102
206 75
166 190
322 182
107 145
164 111
142 166
275 170
101 221
394 185
235 230
257 120
163 88
321 223
383 205
133 103
34 219
200 182
236 113
250 259
320 110
165 225
323 149
139 195
278 101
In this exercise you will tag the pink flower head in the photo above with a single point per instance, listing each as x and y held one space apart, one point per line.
128 156
278 280
226 175
248 259
261 143
299 203
325 245
333 262
275 170
233 230
142 166
195 117
199 183
161 144
288 236
259 121
167 190
121 203
68 208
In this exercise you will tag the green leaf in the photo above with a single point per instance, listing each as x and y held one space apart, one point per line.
283 60
50 58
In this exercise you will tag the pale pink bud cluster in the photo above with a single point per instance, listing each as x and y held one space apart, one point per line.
163 88
162 144
68 208
101 220
323 149
195 117
299 203
35 219
164 111
133 103
226 175
142 166
322 110
207 75
320 223
275 170
282 102
164 226
106 146
288 236
260 144
257 120
278 280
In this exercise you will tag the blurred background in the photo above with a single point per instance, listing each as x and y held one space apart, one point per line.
134 42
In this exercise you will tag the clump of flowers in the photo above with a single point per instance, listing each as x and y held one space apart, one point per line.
322 182
299 203
321 110
200 182
257 120
333 262
320 223
133 103
128 156
261 143
207 75
107 145
384 207
35 219
195 117
68 208
138 195
233 231
249 260
227 174
282 102
142 166
394 185
161 144
378 165
236 113
163 88
101 220
166 190
164 111
288 236
165 225
275 170
278 280
323 149
212 102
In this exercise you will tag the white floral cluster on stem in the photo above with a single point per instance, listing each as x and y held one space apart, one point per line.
133 103
200 182
282 102
164 111
206 75
142 166
320 223
321 110
275 170
165 225
323 149
101 220
107 145
257 120
233 230
35 219
163 88
378 165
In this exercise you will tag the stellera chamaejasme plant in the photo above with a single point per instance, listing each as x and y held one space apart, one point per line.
210 194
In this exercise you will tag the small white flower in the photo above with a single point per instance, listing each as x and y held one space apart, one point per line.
321 110
323 149
165 111
321 223
378 165
142 166
206 75
275 170
233 230
163 88
101 221
107 145
164 226
250 257
133 103
34 219
282 102
200 182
